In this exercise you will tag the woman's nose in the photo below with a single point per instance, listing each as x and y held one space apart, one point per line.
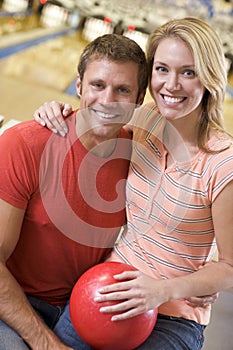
172 82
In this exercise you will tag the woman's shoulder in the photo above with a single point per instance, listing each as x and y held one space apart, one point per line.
145 116
220 158
221 143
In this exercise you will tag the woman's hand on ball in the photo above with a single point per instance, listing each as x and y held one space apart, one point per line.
135 292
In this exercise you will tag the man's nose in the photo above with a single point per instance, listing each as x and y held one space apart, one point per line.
108 96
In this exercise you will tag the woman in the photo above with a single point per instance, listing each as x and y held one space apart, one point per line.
179 189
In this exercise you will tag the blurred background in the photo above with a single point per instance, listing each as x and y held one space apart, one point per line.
41 40
40 45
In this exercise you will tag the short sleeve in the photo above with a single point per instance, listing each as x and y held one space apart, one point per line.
221 173
17 169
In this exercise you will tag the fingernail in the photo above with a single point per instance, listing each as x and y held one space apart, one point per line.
102 309
62 133
54 131
97 299
64 127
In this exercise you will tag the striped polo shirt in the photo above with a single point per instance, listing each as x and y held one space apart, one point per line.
170 231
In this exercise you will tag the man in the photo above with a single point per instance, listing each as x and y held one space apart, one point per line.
61 208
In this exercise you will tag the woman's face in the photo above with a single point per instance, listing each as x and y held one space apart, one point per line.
175 86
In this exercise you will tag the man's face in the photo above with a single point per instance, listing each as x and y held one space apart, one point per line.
109 92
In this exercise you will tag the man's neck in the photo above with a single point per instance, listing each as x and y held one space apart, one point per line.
99 147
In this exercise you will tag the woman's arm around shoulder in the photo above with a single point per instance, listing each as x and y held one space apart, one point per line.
52 115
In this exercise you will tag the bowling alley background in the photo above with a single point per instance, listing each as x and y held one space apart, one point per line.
41 41
40 45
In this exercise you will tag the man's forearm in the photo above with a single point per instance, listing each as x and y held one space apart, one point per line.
17 312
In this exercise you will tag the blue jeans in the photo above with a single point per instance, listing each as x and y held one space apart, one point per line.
10 340
174 333
66 332
170 333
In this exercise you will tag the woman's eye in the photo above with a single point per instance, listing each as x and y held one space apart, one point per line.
189 73
161 69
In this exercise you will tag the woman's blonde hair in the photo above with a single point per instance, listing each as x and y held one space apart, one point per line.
210 66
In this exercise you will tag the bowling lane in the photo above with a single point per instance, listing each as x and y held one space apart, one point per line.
51 63
37 64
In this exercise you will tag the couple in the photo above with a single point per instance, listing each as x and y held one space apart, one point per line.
178 184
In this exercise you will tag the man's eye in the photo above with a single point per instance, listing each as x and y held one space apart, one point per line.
97 85
124 90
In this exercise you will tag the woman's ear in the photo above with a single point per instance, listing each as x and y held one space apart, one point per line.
78 86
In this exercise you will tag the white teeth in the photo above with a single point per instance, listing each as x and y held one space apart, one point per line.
105 115
170 99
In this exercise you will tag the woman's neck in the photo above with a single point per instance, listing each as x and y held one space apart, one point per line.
181 139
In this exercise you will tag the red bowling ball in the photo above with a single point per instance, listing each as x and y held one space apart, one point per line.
97 329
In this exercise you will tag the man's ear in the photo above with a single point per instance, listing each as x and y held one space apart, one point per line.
78 86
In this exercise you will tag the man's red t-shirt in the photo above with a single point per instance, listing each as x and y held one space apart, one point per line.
74 205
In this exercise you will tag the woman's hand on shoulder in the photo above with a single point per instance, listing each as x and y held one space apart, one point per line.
52 114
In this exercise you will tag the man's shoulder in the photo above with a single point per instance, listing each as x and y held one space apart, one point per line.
28 132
